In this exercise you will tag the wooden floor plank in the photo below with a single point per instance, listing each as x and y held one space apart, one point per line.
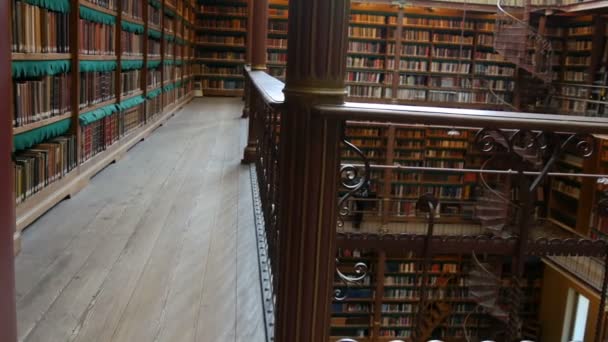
64 317
159 247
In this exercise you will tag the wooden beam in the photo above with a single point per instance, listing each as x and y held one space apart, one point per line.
309 157
8 320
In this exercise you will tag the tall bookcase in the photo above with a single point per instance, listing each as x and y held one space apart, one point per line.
221 45
277 38
385 305
88 85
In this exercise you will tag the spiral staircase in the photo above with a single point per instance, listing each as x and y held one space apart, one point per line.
521 44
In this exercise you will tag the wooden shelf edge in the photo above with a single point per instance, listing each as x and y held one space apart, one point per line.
18 56
42 123
35 206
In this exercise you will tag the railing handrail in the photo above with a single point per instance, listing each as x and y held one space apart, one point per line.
464 117
270 87
272 91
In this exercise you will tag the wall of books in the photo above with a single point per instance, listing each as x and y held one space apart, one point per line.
88 83
221 45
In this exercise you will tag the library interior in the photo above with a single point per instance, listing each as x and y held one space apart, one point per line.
304 170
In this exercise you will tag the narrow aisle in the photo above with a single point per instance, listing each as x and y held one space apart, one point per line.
158 247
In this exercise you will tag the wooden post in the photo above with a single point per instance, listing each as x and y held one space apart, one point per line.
259 34
309 165
8 320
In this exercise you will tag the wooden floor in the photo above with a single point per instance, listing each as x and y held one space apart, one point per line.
159 247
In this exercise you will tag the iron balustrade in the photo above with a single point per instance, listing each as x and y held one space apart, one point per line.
524 148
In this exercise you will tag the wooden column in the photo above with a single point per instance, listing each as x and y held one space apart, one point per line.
259 34
8 321
309 164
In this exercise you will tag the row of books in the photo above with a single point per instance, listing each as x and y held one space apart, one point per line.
279 43
277 26
133 8
364 62
154 78
132 44
96 38
217 70
36 100
130 82
223 23
223 84
109 4
227 55
233 40
367 18
277 57
153 48
42 165
38 30
224 10
154 15
169 48
579 45
96 87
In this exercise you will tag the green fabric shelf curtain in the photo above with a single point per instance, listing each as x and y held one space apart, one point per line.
154 3
96 16
132 27
99 66
179 84
153 64
97 114
154 93
62 6
169 87
169 37
128 64
180 41
132 102
22 69
36 136
179 62
169 12
168 62
154 34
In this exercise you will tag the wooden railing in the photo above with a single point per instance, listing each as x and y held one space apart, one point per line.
518 154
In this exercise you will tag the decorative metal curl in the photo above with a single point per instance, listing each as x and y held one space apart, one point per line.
360 270
486 140
353 181
584 144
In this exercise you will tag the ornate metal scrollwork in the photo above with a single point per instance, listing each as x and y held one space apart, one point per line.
352 181
360 270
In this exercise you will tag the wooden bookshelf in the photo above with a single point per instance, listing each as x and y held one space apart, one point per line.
39 201
384 305
221 43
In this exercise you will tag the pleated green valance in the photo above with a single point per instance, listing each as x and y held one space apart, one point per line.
153 64
169 12
100 66
96 16
154 93
36 136
169 37
132 102
62 6
179 62
179 84
169 62
97 114
39 68
154 34
154 3
128 64
169 87
180 41
132 27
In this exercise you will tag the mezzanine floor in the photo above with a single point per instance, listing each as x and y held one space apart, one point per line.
158 247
